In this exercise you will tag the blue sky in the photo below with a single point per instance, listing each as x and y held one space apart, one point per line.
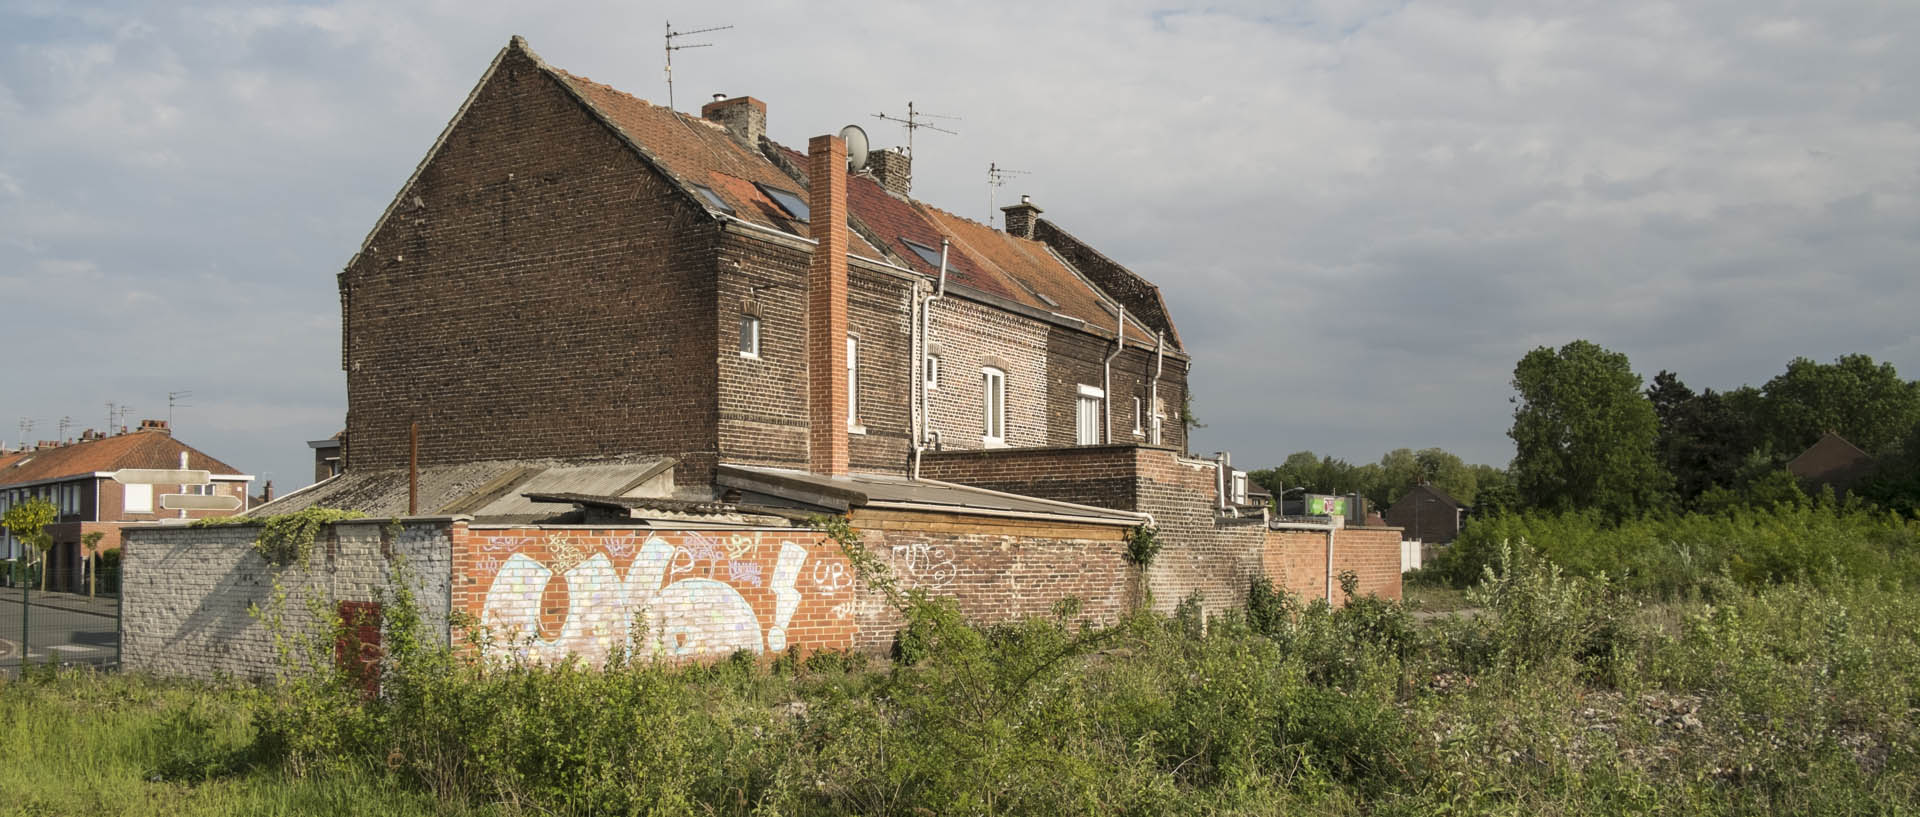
1362 213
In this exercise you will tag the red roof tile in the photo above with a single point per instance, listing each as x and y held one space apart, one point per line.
141 449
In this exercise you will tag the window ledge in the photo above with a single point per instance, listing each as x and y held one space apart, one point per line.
750 355
990 442
856 429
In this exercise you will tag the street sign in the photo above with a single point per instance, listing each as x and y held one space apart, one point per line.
199 502
162 476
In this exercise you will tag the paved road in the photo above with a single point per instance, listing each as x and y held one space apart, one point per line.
61 634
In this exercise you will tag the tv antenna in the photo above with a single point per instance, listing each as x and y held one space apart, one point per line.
671 47
65 422
26 430
915 121
116 415
177 398
997 177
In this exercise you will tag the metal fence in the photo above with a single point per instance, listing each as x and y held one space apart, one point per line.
49 627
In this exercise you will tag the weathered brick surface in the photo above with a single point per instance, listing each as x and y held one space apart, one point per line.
186 592
538 291
1373 554
996 569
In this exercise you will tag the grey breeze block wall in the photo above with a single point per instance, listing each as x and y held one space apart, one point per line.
187 592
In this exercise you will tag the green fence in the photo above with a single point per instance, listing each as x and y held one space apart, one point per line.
57 628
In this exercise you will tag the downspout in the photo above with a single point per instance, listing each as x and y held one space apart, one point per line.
1106 371
1330 529
1153 389
925 431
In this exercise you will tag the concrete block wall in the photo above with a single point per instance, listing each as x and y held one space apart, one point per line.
187 592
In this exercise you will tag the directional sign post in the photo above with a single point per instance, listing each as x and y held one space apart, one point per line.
162 476
199 502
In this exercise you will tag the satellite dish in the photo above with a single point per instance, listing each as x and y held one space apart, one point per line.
856 140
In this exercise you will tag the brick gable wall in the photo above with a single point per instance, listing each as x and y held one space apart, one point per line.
538 291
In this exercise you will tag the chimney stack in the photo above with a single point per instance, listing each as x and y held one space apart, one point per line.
1020 217
827 307
154 425
892 168
744 117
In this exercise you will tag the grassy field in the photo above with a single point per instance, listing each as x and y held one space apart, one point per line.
1563 695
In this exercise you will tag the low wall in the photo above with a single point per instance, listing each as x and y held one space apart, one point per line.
1297 560
187 593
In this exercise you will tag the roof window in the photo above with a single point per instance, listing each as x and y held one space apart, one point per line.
788 201
927 254
713 199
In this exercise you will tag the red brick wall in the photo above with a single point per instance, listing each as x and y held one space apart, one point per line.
700 594
1297 560
997 569
538 291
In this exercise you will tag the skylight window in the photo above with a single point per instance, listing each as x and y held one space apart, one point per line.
927 254
713 199
790 202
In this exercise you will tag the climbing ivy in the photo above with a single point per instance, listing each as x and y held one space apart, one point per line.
286 539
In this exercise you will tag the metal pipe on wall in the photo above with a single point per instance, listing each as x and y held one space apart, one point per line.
1106 371
923 430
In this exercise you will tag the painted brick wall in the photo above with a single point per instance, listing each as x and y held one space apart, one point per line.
996 569
537 292
544 592
186 591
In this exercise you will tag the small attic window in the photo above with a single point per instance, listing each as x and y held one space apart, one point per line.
927 254
713 199
790 202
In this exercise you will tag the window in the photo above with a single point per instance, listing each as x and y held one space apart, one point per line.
1136 417
1159 418
139 499
713 199
1239 487
994 403
853 383
1086 414
926 253
790 202
933 371
749 335
198 490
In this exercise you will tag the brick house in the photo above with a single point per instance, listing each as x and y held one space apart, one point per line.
574 273
1428 514
77 478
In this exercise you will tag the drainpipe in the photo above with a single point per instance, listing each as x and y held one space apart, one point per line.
1330 530
1106 370
1220 459
926 340
1153 389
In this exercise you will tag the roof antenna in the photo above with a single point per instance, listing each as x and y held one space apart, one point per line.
65 423
177 398
672 48
26 430
997 176
913 123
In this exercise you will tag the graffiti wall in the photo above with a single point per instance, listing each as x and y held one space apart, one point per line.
543 594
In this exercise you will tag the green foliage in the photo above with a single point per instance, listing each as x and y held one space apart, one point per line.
1867 403
1383 483
286 539
1583 433
1143 544
1670 556
28 521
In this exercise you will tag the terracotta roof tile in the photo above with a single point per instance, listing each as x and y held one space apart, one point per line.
141 449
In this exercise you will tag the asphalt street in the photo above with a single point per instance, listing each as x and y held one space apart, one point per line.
56 632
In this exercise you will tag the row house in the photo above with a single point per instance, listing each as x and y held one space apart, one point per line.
574 273
77 478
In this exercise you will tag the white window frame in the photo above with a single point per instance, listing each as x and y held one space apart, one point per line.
932 373
750 335
1087 413
1137 430
853 385
993 406
144 495
1239 487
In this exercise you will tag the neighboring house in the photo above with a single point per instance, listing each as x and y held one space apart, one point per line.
1834 461
77 478
575 274
1428 514
326 457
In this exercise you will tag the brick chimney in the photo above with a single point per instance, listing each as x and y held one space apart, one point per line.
154 425
744 117
1020 217
827 307
892 168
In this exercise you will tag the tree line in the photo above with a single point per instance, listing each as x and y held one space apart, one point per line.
1590 434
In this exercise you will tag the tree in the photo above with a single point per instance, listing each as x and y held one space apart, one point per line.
28 522
1494 493
1704 438
1583 432
1865 402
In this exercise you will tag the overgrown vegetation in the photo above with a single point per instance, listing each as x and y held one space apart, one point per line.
286 539
1566 694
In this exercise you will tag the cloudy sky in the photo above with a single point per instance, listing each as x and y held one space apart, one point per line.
1363 213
